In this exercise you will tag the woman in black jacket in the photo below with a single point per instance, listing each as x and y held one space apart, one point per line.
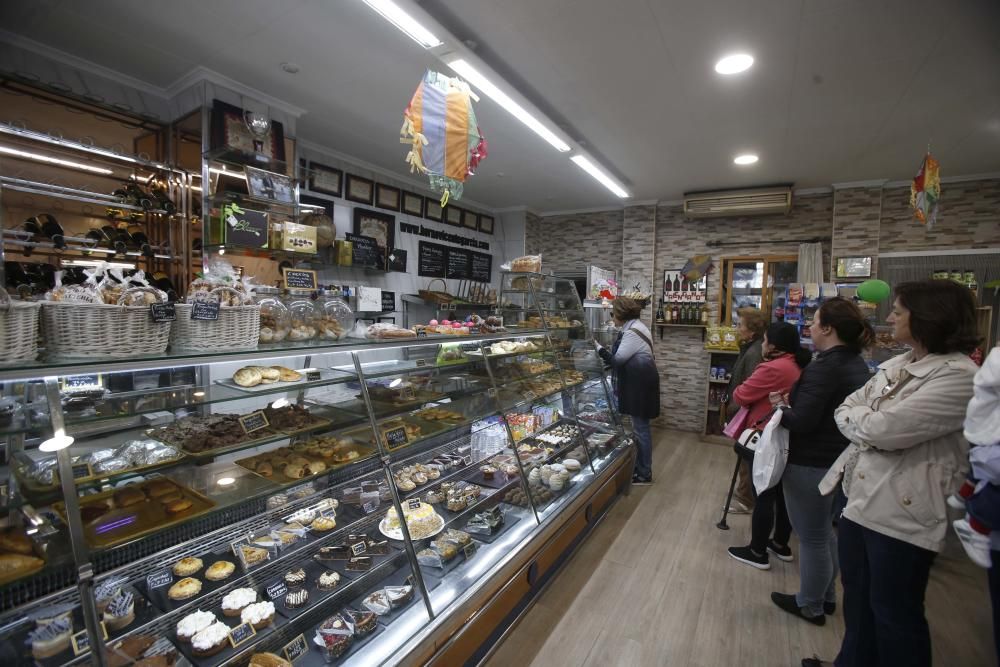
839 332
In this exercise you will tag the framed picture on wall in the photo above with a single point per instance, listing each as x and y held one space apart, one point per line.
432 209
270 185
486 223
854 267
231 129
326 180
361 190
387 196
413 204
453 216
470 220
379 226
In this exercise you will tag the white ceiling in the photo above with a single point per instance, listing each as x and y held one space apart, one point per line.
841 91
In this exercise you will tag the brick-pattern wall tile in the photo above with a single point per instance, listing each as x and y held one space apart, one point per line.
856 216
968 217
570 243
532 233
638 241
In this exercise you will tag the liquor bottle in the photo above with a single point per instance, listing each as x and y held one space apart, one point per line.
163 200
659 313
111 237
670 313
685 314
136 238
677 313
704 314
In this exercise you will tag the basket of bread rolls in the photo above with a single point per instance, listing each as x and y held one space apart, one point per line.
18 329
237 326
108 316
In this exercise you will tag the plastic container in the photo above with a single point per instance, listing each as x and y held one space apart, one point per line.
336 319
304 314
275 320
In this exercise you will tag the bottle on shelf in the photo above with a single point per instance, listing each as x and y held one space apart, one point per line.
669 314
704 314
163 199
136 238
110 237
677 313
659 313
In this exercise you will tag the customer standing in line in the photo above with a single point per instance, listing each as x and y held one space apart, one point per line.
636 380
906 455
751 335
784 359
839 332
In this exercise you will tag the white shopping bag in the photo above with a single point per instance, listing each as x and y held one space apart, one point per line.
770 454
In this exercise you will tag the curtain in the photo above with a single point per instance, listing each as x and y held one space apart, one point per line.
810 263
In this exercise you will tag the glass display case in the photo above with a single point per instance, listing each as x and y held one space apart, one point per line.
340 508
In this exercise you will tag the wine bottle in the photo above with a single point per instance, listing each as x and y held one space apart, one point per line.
112 238
138 238
659 312
163 200
704 314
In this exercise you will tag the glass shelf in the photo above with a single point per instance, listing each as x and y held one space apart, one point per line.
236 158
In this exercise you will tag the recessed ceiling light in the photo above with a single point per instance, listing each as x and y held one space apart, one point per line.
748 158
291 68
734 63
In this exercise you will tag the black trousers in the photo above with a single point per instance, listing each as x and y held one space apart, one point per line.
994 577
884 584
769 513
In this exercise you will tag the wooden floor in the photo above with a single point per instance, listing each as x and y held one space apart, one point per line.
653 585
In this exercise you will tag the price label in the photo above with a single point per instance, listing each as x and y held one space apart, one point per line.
277 590
359 548
413 503
81 642
450 306
422 333
162 312
72 383
205 310
421 363
237 551
396 437
82 470
159 579
407 394
370 506
240 634
468 460
254 421
491 392
299 278
313 376
295 649
470 550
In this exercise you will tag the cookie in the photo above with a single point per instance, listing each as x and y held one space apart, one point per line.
248 377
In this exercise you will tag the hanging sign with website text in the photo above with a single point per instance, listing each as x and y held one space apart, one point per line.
431 260
366 252
299 278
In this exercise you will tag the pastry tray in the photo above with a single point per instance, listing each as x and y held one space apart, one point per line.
162 601
280 478
510 518
268 435
326 376
228 652
122 524
314 657
397 578
29 484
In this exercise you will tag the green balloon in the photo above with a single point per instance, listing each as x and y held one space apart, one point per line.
874 291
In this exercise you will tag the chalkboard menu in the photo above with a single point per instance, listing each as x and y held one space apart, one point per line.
482 267
365 251
459 264
431 260
299 278
388 301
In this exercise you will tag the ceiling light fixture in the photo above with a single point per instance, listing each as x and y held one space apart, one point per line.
291 68
58 441
392 13
604 179
748 158
474 77
54 160
734 63
92 263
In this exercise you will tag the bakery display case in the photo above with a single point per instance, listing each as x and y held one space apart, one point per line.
340 501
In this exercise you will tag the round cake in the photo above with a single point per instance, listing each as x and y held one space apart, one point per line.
422 522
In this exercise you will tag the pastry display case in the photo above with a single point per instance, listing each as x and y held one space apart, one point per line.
336 502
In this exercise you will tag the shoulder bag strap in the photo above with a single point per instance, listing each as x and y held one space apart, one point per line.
645 338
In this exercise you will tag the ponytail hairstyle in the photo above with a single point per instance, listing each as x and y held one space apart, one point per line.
844 317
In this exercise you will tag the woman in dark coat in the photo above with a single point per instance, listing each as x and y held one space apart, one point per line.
636 380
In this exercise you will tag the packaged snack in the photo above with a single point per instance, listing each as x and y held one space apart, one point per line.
525 264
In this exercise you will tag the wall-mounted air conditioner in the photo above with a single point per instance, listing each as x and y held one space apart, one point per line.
738 203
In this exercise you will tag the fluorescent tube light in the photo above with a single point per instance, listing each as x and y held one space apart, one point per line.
394 14
226 172
467 71
595 171
90 262
56 161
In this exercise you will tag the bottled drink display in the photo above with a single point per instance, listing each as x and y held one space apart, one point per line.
684 301
659 313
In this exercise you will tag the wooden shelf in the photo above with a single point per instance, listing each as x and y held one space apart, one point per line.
663 325
717 381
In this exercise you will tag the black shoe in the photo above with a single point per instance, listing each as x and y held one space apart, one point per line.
641 480
788 603
782 552
746 555
815 662
829 608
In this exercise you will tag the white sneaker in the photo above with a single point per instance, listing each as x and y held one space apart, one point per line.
737 507
956 501
976 545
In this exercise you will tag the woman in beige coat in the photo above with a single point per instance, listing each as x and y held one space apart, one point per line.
907 454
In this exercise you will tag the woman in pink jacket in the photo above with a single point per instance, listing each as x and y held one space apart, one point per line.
783 362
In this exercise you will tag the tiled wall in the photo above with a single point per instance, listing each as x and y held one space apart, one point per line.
638 241
856 213
569 243
968 217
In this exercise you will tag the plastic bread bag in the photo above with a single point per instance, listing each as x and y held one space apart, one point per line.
145 298
219 273
384 330
72 293
43 471
525 264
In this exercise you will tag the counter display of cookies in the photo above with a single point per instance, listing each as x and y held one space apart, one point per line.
115 516
307 459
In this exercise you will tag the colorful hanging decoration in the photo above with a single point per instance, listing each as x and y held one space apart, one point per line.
925 191
697 267
441 128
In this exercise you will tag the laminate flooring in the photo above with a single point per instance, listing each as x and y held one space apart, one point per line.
653 585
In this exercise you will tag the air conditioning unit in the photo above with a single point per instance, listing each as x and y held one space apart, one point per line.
737 203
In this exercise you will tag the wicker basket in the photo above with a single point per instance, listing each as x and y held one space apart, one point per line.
434 296
88 330
237 328
18 329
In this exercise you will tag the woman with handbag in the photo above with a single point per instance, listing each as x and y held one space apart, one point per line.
839 332
907 454
783 362
636 380
751 334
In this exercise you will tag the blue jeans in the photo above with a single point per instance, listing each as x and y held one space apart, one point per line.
811 515
884 584
644 441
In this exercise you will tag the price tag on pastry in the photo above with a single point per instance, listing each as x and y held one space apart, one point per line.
254 421
421 363
159 579
406 393
72 383
82 470
359 548
370 506
81 642
470 550
395 437
313 376
413 503
299 278
295 649
240 634
162 312
277 590
205 310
